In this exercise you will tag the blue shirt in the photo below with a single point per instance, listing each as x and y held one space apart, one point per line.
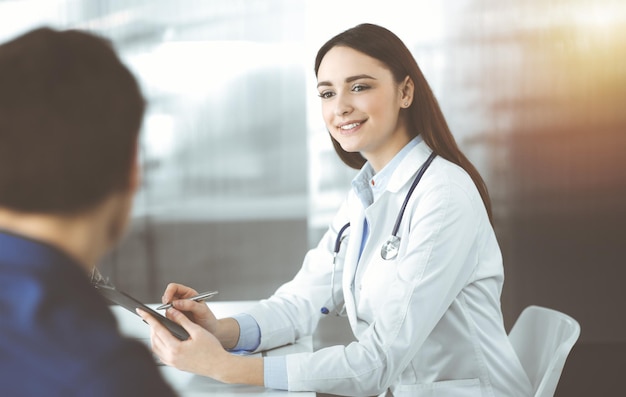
57 334
368 186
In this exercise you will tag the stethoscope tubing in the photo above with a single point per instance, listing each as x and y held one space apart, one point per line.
393 239
422 170
338 239
396 226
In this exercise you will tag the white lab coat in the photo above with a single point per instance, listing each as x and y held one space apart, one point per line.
427 323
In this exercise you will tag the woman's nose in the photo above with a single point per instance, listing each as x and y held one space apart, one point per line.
342 106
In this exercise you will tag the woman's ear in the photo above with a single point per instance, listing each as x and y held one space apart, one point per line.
407 88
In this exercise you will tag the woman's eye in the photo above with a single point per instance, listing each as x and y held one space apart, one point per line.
325 94
359 87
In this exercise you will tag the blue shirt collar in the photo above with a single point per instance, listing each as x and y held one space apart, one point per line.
369 186
27 252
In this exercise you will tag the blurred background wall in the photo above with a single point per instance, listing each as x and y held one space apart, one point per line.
240 179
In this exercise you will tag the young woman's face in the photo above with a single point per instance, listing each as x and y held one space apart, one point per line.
361 104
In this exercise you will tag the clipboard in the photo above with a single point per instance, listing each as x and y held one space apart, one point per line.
129 303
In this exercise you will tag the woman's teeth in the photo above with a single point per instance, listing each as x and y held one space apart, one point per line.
349 126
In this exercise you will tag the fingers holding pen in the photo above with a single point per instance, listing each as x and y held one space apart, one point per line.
190 306
175 291
197 298
198 312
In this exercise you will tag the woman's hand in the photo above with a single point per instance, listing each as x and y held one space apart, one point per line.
226 330
198 312
202 353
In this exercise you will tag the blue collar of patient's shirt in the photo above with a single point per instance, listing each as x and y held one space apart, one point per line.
369 186
26 252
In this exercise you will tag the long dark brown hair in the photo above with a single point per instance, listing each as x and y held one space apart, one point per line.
424 116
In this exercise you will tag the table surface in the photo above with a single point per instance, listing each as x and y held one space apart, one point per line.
191 385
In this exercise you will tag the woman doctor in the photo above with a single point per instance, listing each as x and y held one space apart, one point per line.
425 310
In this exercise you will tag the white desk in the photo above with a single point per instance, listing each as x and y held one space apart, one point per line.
191 385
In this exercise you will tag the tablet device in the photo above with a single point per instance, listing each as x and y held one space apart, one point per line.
129 303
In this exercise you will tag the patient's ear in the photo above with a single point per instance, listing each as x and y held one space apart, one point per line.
134 180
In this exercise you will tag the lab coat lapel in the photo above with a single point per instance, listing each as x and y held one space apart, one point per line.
403 175
357 217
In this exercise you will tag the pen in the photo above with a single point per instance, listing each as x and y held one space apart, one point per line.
198 298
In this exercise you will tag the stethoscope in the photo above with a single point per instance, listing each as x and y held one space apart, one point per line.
391 247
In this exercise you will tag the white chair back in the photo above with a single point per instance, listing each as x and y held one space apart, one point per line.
542 339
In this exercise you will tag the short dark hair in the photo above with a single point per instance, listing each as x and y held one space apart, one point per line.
70 115
424 116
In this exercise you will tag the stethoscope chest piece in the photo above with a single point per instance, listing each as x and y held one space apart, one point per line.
390 249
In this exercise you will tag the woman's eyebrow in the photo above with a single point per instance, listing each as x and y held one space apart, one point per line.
359 77
348 80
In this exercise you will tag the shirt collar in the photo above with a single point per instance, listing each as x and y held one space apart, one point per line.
369 186
28 252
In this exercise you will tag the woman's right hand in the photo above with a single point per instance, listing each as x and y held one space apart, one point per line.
226 329
198 312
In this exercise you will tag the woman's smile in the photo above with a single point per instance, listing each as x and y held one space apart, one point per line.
350 127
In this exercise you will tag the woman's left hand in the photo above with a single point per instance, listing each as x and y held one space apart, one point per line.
202 353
